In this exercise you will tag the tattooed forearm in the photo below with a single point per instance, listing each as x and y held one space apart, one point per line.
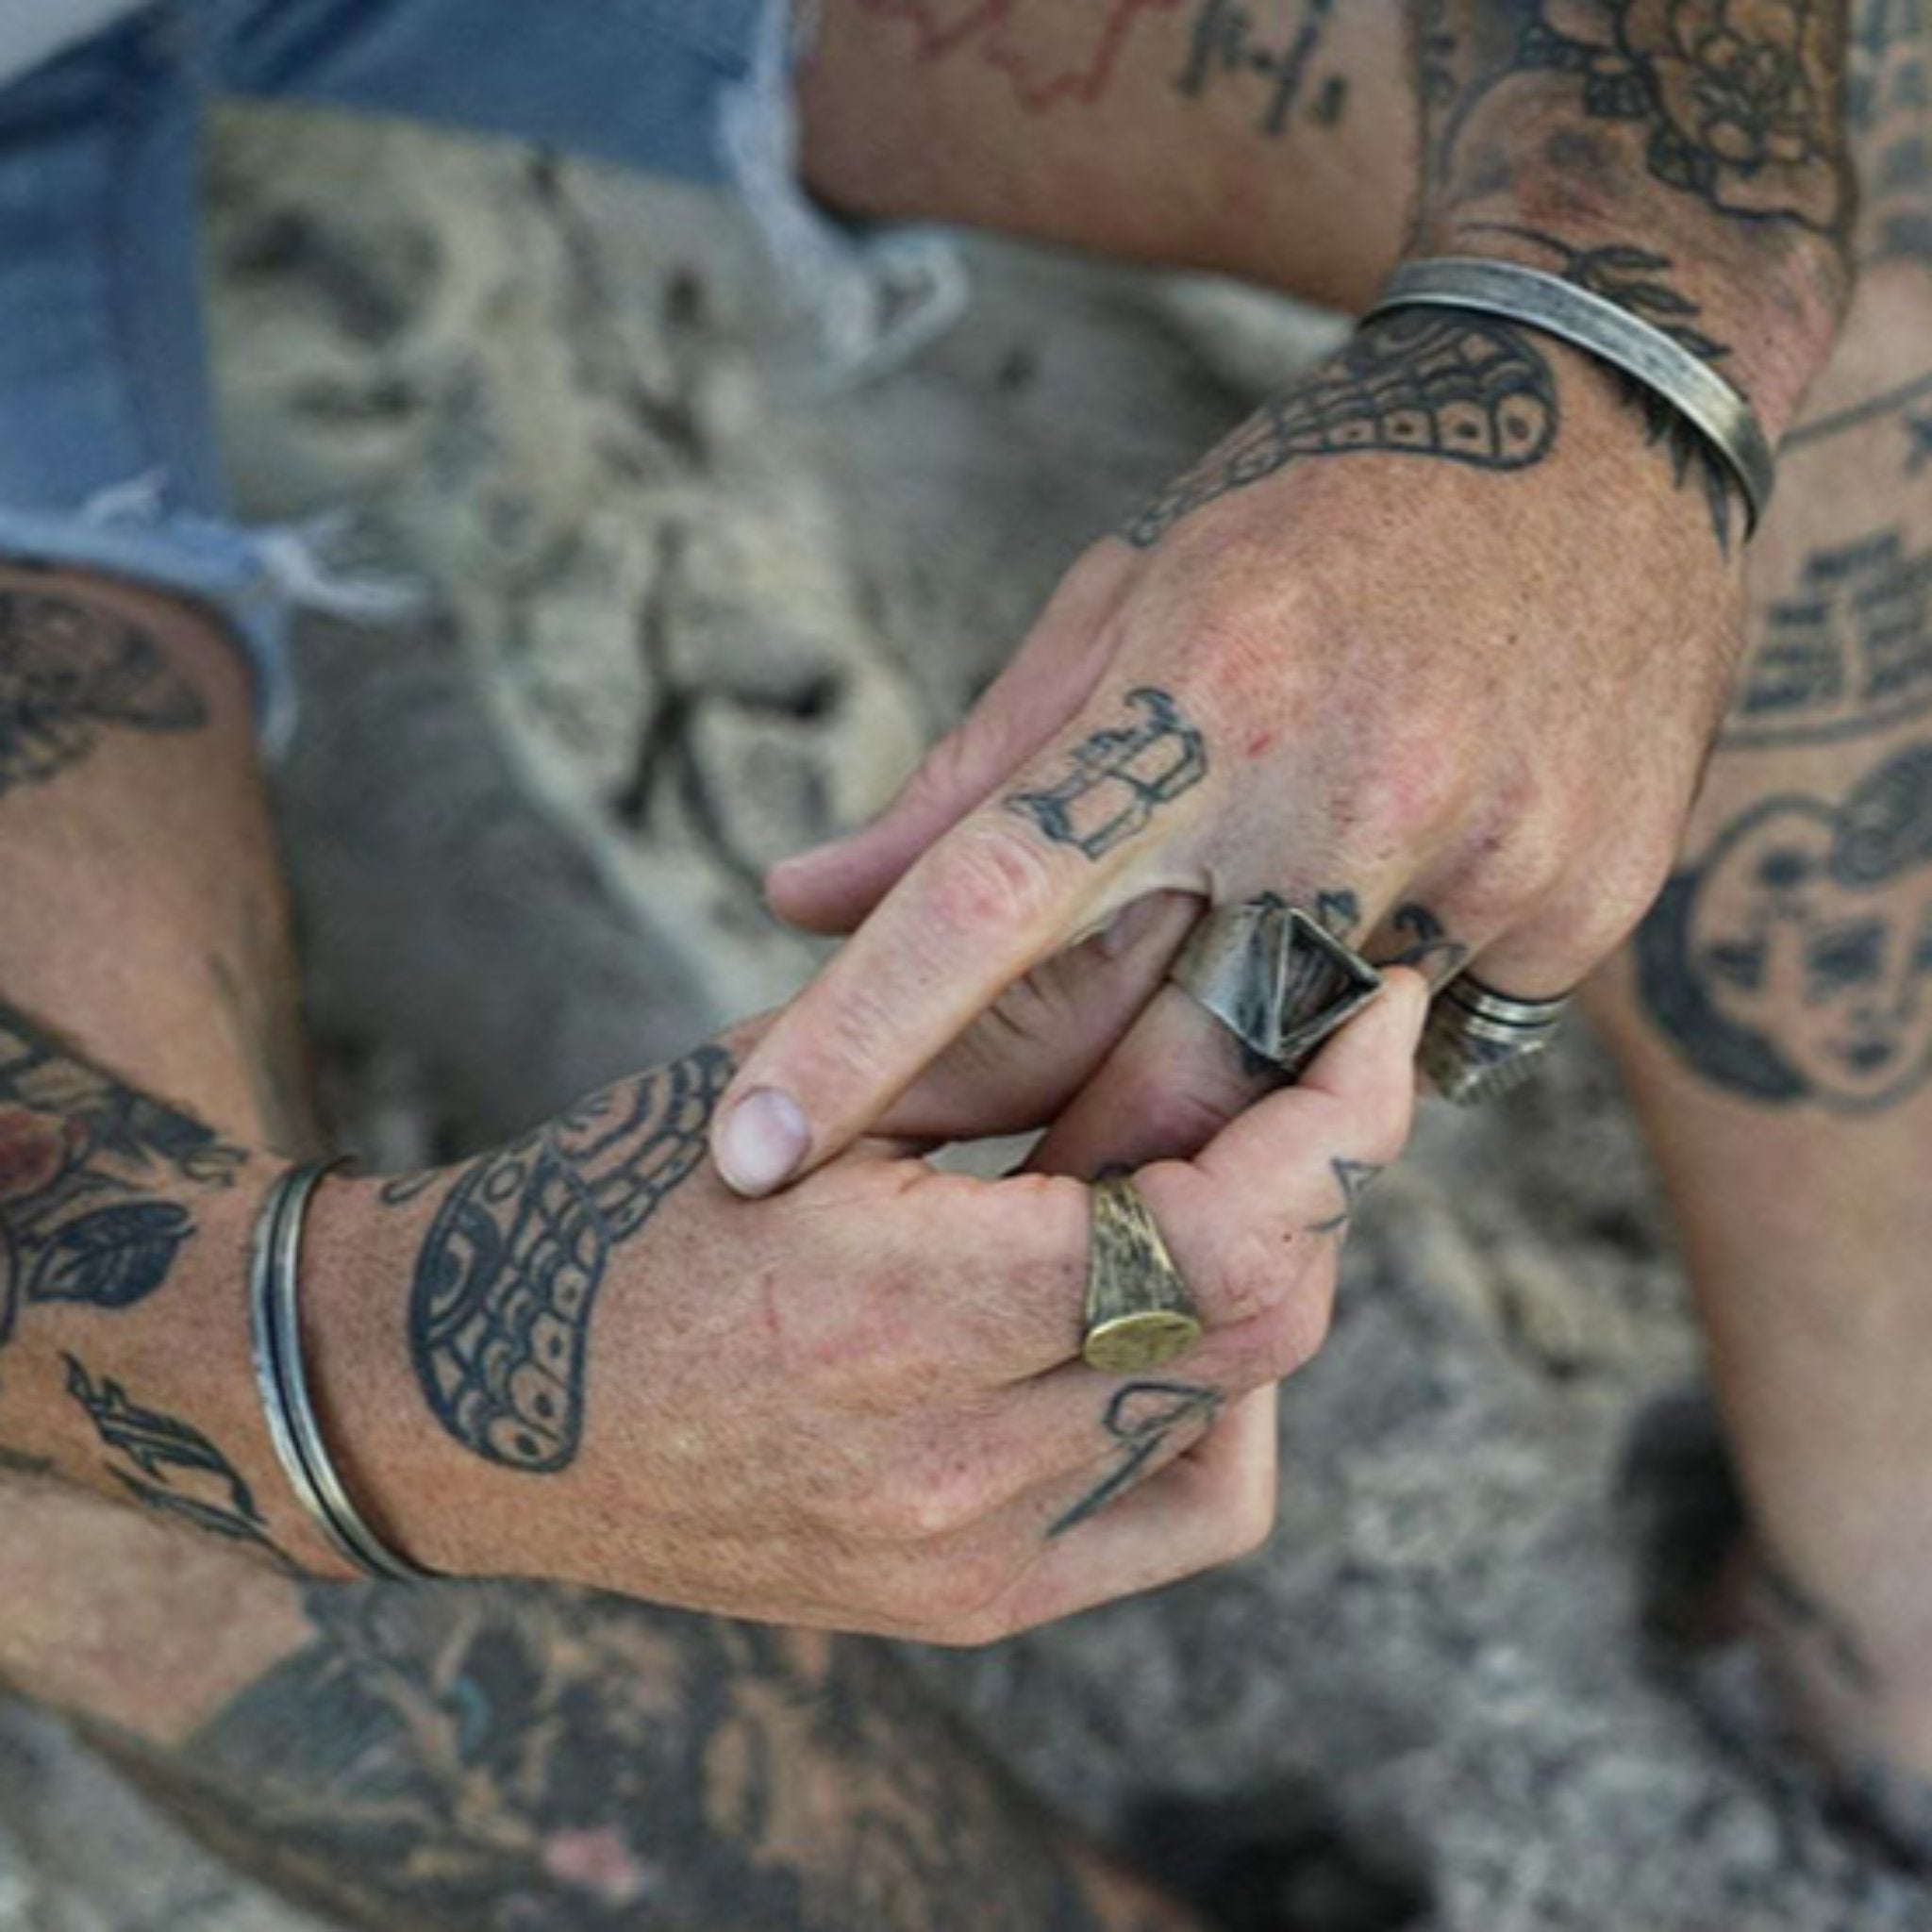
507 1277
1735 104
88 1170
1847 652
69 672
1889 109
1052 55
1141 1418
1791 961
167 1464
1119 778
1049 52
509 1759
1449 389
1228 49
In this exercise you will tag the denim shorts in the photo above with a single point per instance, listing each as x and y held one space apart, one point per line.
108 455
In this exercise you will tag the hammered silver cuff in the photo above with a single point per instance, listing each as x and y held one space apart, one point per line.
1588 321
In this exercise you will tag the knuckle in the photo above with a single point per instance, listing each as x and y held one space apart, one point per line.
1294 1335
994 876
926 1500
949 767
1404 790
1253 1277
1180 1115
1513 866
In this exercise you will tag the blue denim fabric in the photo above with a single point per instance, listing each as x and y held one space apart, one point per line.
107 455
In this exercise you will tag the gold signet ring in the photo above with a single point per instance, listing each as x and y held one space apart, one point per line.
1139 1314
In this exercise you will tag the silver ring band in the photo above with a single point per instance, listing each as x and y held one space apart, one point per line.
1480 1043
281 1376
1275 977
1588 321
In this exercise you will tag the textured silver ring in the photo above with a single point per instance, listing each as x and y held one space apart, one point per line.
1591 321
281 1377
1480 1042
1275 977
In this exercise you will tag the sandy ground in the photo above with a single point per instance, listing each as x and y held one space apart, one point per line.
686 607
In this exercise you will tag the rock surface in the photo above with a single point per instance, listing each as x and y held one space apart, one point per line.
688 606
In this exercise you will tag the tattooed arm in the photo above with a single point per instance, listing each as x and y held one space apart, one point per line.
1270 139
577 1357
790 1414
1447 624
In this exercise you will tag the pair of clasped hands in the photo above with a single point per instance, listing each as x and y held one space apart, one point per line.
1366 681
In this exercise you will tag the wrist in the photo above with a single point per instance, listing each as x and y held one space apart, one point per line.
1766 326
420 1495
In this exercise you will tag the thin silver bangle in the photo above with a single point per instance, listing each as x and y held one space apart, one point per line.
1587 321
281 1376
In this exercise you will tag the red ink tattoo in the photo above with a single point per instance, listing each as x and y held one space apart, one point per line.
1050 50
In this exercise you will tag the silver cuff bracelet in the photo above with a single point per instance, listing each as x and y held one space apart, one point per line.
281 1376
1587 321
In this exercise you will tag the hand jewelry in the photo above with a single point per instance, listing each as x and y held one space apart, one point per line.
1275 977
274 1320
1139 1314
1479 1044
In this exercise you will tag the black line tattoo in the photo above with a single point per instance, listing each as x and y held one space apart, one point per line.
399 1189
81 1160
1792 963
1737 104
1846 653
1637 280
1340 910
168 1465
1225 49
1141 1418
1427 944
516 1758
508 1277
1888 103
1898 401
69 671
1808 1617
1119 778
1354 1178
1459 390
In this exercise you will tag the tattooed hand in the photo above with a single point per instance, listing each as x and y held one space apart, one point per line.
1435 644
1432 646
860 1403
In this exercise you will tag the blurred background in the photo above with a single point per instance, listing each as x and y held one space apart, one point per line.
684 605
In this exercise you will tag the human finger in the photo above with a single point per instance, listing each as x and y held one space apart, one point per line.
1021 1063
1052 676
1211 1503
1005 888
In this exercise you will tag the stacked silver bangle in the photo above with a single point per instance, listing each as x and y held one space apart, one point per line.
1591 323
276 1325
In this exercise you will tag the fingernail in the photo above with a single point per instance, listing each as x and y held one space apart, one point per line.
813 855
762 1143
